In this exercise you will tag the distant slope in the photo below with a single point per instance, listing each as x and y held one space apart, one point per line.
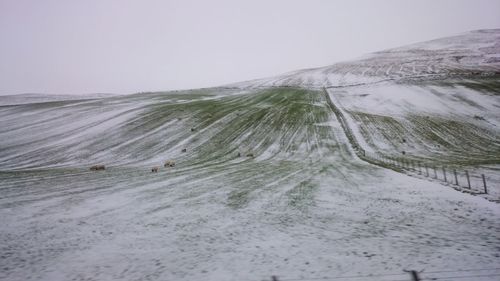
441 96
147 129
40 98
436 101
471 53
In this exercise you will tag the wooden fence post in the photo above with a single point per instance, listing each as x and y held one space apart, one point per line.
484 183
456 178
444 174
414 275
435 173
426 170
468 179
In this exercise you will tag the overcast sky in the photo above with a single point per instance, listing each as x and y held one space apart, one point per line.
100 46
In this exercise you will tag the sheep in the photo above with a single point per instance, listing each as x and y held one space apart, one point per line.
169 163
97 168
154 170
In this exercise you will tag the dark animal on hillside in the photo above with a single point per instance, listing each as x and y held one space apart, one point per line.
169 163
97 168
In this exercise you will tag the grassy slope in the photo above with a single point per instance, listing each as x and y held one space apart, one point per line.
303 207
283 128
150 128
459 139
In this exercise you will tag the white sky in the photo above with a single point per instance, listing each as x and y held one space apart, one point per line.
104 46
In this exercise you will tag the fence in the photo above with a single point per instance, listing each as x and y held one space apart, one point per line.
412 275
459 179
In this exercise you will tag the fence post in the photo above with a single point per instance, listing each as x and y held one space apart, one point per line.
435 173
468 179
426 170
414 275
419 168
456 179
484 183
444 174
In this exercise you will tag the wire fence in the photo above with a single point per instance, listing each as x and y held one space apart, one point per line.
479 274
457 178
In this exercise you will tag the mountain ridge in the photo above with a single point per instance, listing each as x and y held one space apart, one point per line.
470 53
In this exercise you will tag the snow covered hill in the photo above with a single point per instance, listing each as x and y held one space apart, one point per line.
41 98
268 183
471 53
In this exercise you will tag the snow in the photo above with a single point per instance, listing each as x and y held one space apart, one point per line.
401 99
304 207
468 52
175 227
42 98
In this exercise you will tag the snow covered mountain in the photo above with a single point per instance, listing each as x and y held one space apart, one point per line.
471 53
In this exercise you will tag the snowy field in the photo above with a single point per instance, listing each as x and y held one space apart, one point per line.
446 123
303 207
265 182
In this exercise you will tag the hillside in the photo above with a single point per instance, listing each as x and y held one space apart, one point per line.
437 102
472 53
269 182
